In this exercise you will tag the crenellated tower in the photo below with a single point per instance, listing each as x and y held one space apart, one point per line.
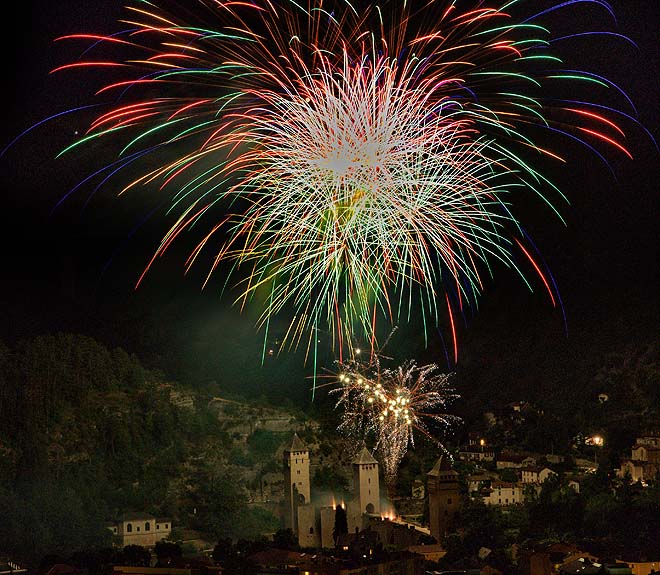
296 481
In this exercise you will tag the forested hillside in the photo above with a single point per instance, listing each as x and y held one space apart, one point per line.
87 433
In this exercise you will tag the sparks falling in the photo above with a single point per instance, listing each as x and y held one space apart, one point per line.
348 165
391 405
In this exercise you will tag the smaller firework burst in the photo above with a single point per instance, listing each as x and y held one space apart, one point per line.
391 404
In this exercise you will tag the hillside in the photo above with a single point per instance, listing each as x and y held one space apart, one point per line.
87 433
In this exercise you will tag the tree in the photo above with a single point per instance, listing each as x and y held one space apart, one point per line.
341 524
285 539
223 549
166 552
134 556
329 478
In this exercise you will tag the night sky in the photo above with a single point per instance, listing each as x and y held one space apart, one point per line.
74 267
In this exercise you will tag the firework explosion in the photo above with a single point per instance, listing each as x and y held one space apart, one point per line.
390 405
348 165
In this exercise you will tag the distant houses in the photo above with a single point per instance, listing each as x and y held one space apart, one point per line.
644 462
476 453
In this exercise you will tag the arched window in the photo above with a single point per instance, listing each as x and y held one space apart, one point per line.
129 528
147 527
311 531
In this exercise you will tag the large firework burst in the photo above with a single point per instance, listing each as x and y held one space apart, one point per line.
390 405
349 163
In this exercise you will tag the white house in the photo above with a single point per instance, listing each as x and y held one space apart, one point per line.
140 529
503 493
536 474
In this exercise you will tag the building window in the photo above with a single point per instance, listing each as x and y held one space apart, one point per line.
311 531
129 528
165 525
157 526
137 527
369 480
147 527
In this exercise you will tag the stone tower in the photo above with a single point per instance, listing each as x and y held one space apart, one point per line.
365 482
443 491
296 481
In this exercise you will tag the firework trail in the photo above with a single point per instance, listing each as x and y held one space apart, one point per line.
348 165
389 405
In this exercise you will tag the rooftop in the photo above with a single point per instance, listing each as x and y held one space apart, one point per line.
296 444
364 457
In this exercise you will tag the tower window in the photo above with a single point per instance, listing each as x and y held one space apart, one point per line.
129 528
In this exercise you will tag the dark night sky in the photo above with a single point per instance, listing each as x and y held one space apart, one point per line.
75 269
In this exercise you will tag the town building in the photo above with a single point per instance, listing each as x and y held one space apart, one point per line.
503 493
140 529
644 462
536 474
476 453
514 461
477 481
